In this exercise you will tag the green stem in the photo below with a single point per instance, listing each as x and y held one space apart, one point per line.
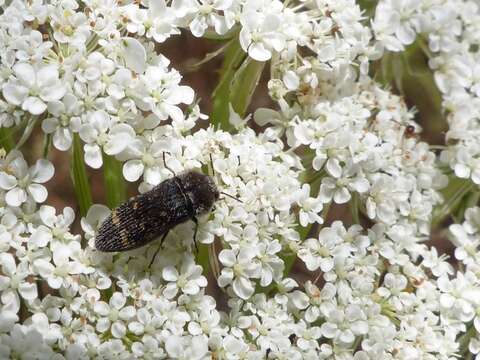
115 186
354 209
202 257
46 145
6 138
79 177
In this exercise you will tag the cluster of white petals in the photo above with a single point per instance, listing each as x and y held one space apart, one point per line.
89 75
451 32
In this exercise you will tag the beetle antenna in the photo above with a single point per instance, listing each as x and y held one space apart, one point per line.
211 163
231 196
165 164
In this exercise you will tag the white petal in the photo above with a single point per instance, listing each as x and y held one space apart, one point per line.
38 192
341 196
8 264
88 133
127 313
136 328
28 290
243 287
291 80
227 257
103 325
50 125
118 329
43 267
170 273
34 105
7 181
15 94
170 290
117 300
174 346
116 145
93 156
132 170
101 308
258 52
40 238
334 168
55 282
15 197
62 139
134 54
191 288
25 73
42 171
53 92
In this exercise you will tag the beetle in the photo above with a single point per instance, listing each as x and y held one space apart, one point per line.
154 213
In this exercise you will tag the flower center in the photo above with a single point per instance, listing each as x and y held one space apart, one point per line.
148 159
113 316
205 9
23 183
182 281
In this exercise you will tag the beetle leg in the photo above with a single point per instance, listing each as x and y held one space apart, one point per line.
159 247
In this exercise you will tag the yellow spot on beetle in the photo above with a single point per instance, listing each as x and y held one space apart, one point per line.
115 219
124 237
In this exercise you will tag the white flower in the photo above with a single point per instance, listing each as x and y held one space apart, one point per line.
189 280
239 268
101 132
195 347
70 26
23 183
32 88
310 207
14 281
114 315
57 273
65 121
163 21
205 13
272 265
260 34
159 92
321 253
395 23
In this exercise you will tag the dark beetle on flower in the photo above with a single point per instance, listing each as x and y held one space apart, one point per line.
145 217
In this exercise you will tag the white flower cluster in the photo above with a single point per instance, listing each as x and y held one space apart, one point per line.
460 295
89 70
452 31
365 145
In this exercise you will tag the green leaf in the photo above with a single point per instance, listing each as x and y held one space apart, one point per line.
233 58
455 194
79 177
27 132
115 186
244 84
